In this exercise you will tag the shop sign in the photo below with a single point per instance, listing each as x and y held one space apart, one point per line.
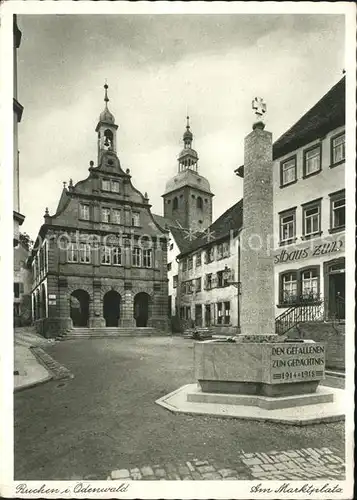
317 249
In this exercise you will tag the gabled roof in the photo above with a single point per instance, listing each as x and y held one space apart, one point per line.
180 234
327 114
164 222
230 220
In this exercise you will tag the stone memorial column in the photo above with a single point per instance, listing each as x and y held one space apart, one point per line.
257 269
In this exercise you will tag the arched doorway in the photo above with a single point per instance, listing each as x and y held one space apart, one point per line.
111 308
141 308
79 302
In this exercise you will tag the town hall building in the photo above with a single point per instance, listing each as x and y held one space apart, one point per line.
100 260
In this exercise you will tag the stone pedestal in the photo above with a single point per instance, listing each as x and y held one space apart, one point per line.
271 369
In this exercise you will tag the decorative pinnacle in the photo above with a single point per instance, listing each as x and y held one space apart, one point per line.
46 212
70 183
64 185
188 122
106 98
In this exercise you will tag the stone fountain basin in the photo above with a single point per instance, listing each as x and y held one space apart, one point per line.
271 368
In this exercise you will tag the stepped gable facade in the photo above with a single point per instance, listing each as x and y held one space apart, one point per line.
101 259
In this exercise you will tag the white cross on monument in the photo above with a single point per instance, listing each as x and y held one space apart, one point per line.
259 107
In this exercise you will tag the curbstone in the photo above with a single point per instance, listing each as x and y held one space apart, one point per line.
147 471
120 474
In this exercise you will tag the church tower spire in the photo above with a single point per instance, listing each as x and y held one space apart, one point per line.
188 158
106 128
188 196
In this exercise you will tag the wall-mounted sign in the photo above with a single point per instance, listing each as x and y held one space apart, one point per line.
317 249
51 296
51 302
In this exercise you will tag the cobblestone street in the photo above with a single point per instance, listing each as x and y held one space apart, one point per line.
104 423
303 464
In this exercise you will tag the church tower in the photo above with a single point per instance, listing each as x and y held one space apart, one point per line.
188 196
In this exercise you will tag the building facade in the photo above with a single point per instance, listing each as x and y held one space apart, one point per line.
309 208
17 115
208 284
187 208
101 259
308 240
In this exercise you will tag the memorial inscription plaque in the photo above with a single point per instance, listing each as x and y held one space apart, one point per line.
297 363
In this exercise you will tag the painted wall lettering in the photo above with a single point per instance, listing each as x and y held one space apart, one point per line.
303 253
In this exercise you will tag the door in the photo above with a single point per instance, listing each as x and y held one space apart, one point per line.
111 308
207 315
198 315
79 308
141 309
337 295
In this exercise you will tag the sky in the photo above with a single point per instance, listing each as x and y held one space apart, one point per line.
158 68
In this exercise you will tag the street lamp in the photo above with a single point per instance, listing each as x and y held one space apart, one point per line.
227 274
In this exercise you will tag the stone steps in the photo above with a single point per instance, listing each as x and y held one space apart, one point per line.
87 333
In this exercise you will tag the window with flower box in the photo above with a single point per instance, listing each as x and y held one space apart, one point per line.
299 286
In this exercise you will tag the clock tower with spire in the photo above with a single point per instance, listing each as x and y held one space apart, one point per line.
188 196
